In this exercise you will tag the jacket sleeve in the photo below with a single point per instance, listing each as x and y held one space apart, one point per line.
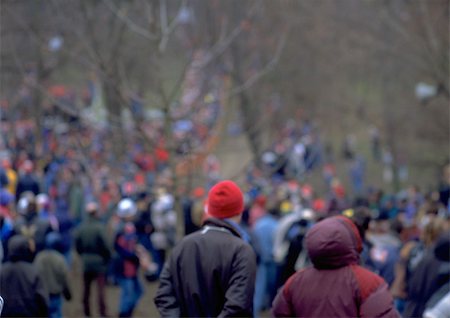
77 239
41 297
239 294
379 304
65 280
281 306
105 250
165 299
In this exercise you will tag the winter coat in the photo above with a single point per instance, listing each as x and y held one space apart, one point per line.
209 273
53 269
384 255
33 227
92 245
27 182
336 286
125 246
263 236
429 276
21 286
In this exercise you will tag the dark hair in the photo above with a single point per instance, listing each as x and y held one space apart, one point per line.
361 217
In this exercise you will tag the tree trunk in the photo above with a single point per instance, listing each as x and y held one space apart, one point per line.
114 110
250 116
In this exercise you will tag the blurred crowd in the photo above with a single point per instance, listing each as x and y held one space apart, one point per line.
64 192
50 207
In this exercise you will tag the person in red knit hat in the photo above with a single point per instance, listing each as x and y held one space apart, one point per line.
211 272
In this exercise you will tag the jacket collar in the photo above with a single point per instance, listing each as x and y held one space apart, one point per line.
222 223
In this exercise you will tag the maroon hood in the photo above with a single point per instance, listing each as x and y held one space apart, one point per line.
333 243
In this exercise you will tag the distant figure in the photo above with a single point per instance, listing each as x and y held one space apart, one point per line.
336 286
211 272
29 224
348 147
91 244
20 284
375 142
27 180
357 174
125 245
266 275
54 271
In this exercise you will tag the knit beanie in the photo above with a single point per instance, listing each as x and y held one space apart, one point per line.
225 200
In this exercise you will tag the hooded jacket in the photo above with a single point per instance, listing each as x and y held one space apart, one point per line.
336 286
20 285
210 273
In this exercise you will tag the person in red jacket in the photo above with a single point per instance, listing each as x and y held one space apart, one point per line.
336 286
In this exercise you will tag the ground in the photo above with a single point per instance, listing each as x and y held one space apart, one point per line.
74 308
145 308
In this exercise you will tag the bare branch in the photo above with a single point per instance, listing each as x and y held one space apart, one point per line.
224 43
167 29
267 68
131 25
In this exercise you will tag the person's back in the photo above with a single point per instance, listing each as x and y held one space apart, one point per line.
53 270
20 285
91 244
432 273
264 232
266 276
27 181
336 286
212 271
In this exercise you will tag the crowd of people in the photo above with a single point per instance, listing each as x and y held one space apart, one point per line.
404 239
63 195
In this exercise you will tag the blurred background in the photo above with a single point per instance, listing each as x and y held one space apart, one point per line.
120 96
155 71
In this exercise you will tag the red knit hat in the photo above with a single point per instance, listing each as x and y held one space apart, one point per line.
225 200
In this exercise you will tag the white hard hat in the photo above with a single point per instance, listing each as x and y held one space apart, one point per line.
126 208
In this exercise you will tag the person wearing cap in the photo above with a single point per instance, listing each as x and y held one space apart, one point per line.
336 285
211 272
92 245
125 245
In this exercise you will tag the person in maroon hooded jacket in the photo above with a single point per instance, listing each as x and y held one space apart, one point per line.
336 286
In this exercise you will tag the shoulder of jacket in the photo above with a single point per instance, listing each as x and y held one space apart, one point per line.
293 280
367 281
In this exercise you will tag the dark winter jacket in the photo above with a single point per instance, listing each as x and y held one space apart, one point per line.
336 286
27 182
92 245
210 273
20 285
431 274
